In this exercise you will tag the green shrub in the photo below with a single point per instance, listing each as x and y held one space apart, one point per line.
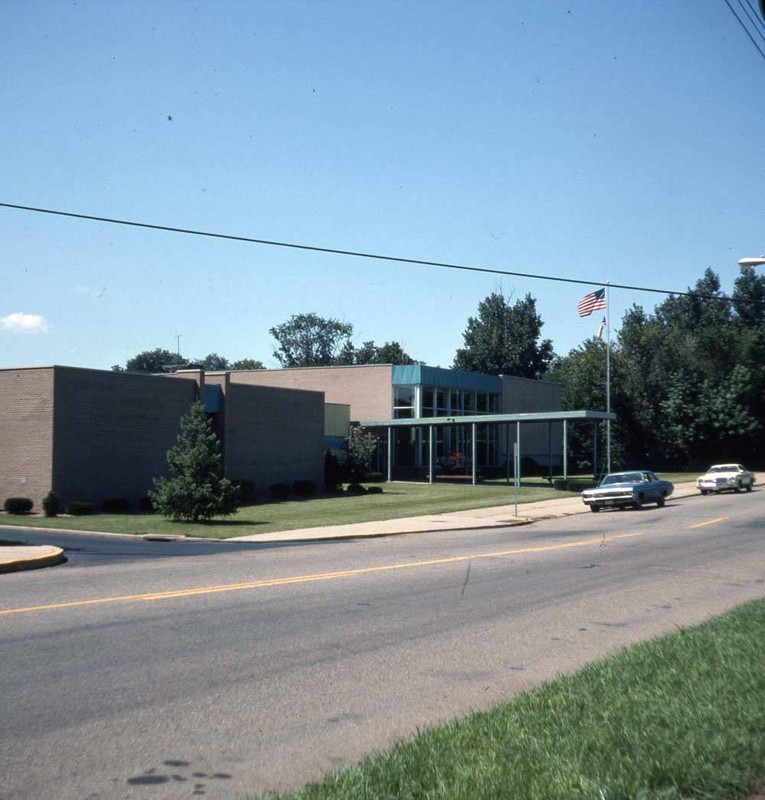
145 505
80 508
304 488
573 484
18 505
355 488
247 492
279 491
373 477
116 505
374 489
50 504
333 475
195 490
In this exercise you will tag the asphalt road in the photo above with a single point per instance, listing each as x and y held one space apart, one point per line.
175 670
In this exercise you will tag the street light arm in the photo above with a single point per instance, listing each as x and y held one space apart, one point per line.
752 262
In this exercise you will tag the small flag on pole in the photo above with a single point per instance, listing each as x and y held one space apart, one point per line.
599 334
591 302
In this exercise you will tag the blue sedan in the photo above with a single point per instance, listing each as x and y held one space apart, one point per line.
623 489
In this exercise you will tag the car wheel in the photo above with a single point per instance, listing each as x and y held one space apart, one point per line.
637 503
662 499
737 488
749 487
594 509
704 491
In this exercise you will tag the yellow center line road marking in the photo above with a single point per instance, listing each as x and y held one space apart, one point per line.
318 576
709 522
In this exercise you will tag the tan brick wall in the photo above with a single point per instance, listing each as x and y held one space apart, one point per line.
367 389
272 435
26 433
113 430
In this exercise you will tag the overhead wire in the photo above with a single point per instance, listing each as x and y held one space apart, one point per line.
758 21
746 30
752 19
358 254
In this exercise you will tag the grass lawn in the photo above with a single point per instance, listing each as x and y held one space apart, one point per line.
682 716
398 500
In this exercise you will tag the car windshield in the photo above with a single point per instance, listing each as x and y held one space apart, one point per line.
724 468
622 477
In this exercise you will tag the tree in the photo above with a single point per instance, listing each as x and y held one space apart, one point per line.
749 298
247 363
158 360
392 353
213 362
196 489
583 375
504 339
362 445
370 353
308 340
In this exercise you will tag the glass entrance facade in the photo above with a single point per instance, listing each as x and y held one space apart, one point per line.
421 392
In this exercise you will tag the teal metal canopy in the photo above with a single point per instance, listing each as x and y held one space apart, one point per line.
489 419
474 420
419 374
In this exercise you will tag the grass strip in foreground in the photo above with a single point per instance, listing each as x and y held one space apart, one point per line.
682 716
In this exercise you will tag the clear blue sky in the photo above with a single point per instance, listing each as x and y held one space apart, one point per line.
593 139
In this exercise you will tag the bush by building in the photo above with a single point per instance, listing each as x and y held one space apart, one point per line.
279 491
145 505
116 505
50 504
304 488
247 492
18 505
80 508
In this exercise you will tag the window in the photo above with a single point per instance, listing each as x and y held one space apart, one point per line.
403 402
428 405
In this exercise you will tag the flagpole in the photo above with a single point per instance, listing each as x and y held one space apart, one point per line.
608 380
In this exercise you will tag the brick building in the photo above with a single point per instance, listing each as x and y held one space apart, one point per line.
92 434
385 391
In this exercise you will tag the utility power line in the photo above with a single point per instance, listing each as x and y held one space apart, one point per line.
746 30
359 254
754 17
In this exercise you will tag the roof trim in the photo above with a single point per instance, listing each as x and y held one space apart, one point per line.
483 419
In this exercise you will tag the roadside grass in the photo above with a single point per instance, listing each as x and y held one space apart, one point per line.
398 500
682 716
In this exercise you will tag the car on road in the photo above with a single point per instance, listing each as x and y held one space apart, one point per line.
725 477
628 489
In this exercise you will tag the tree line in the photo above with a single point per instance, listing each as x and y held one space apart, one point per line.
687 380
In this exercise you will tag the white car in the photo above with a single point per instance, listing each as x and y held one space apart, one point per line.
723 477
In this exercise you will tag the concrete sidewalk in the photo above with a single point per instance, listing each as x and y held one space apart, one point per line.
19 557
494 517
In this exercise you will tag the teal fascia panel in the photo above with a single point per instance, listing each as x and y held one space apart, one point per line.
213 399
419 374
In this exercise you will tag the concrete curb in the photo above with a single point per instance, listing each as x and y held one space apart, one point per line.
34 557
486 519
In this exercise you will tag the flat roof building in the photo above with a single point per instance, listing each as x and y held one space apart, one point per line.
94 434
417 391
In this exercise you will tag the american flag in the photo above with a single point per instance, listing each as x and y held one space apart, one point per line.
591 302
